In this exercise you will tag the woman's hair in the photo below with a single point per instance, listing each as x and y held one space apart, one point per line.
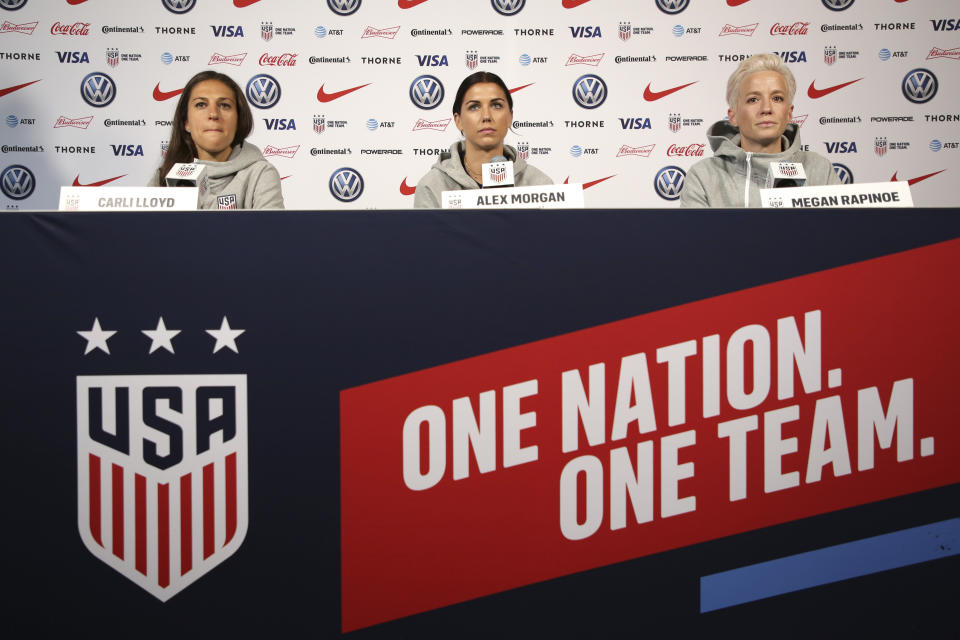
477 78
753 64
181 147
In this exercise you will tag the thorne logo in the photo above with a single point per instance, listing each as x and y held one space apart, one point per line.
746 30
643 152
795 29
236 59
25 28
431 125
75 29
372 32
592 61
282 60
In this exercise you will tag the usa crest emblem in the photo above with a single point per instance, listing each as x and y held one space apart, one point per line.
673 120
880 146
113 57
266 31
472 59
830 54
319 123
228 201
624 31
523 150
162 488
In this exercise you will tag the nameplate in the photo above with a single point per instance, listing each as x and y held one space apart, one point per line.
843 196
555 196
128 198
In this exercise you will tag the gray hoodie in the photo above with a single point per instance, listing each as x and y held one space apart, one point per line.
246 180
733 177
448 174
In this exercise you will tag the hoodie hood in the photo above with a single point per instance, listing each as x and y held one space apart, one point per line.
724 139
450 165
242 156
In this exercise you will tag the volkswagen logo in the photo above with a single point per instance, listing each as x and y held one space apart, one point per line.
843 172
263 91
344 7
17 182
346 184
589 91
98 89
668 183
426 92
12 5
672 6
508 7
179 6
919 86
837 5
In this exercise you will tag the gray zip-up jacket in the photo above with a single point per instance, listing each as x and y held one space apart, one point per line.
448 174
733 177
246 180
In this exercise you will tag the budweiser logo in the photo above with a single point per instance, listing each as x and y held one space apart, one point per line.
79 123
795 29
643 152
799 120
286 152
282 60
745 30
9 27
75 29
691 150
236 59
433 125
937 52
593 60
389 32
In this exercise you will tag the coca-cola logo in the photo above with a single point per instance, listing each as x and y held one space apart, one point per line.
282 60
75 29
796 29
691 150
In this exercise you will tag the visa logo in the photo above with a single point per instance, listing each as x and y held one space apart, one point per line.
585 32
432 61
635 123
227 31
73 56
841 147
951 24
127 149
280 124
793 56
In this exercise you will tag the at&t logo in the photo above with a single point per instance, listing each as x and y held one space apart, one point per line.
346 184
426 92
263 91
919 86
837 5
668 183
98 89
672 6
344 7
589 91
17 182
508 7
179 6
843 172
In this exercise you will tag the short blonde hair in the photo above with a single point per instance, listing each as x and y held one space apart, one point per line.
753 64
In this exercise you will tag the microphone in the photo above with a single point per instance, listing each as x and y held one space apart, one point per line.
785 174
188 174
497 173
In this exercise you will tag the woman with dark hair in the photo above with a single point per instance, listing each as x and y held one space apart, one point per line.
483 112
210 127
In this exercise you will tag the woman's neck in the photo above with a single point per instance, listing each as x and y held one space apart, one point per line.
473 158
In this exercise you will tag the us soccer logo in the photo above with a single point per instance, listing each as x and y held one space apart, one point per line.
162 486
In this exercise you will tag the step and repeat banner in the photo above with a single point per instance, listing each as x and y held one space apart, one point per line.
615 94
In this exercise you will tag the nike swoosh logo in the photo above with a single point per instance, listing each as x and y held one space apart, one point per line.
100 183
285 177
523 87
815 93
323 96
160 96
913 181
650 96
4 92
736 3
76 2
240 4
406 189
573 4
587 185
409 4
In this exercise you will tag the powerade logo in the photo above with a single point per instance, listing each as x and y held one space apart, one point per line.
668 183
672 6
838 5
508 7
589 91
263 91
17 182
179 6
344 7
12 5
919 86
98 89
426 92
346 184
843 172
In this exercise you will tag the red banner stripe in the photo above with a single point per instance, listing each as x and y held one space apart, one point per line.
208 512
95 499
118 511
186 524
163 535
140 523
231 497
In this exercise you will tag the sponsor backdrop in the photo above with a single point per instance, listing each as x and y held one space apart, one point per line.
616 94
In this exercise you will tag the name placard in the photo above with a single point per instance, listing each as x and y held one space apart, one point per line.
128 198
845 196
555 196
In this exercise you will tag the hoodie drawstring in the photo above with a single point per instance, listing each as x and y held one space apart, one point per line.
746 185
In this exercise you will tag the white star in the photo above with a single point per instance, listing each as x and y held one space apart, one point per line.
161 337
96 338
226 337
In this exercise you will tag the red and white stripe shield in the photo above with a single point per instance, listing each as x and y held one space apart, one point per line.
162 474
